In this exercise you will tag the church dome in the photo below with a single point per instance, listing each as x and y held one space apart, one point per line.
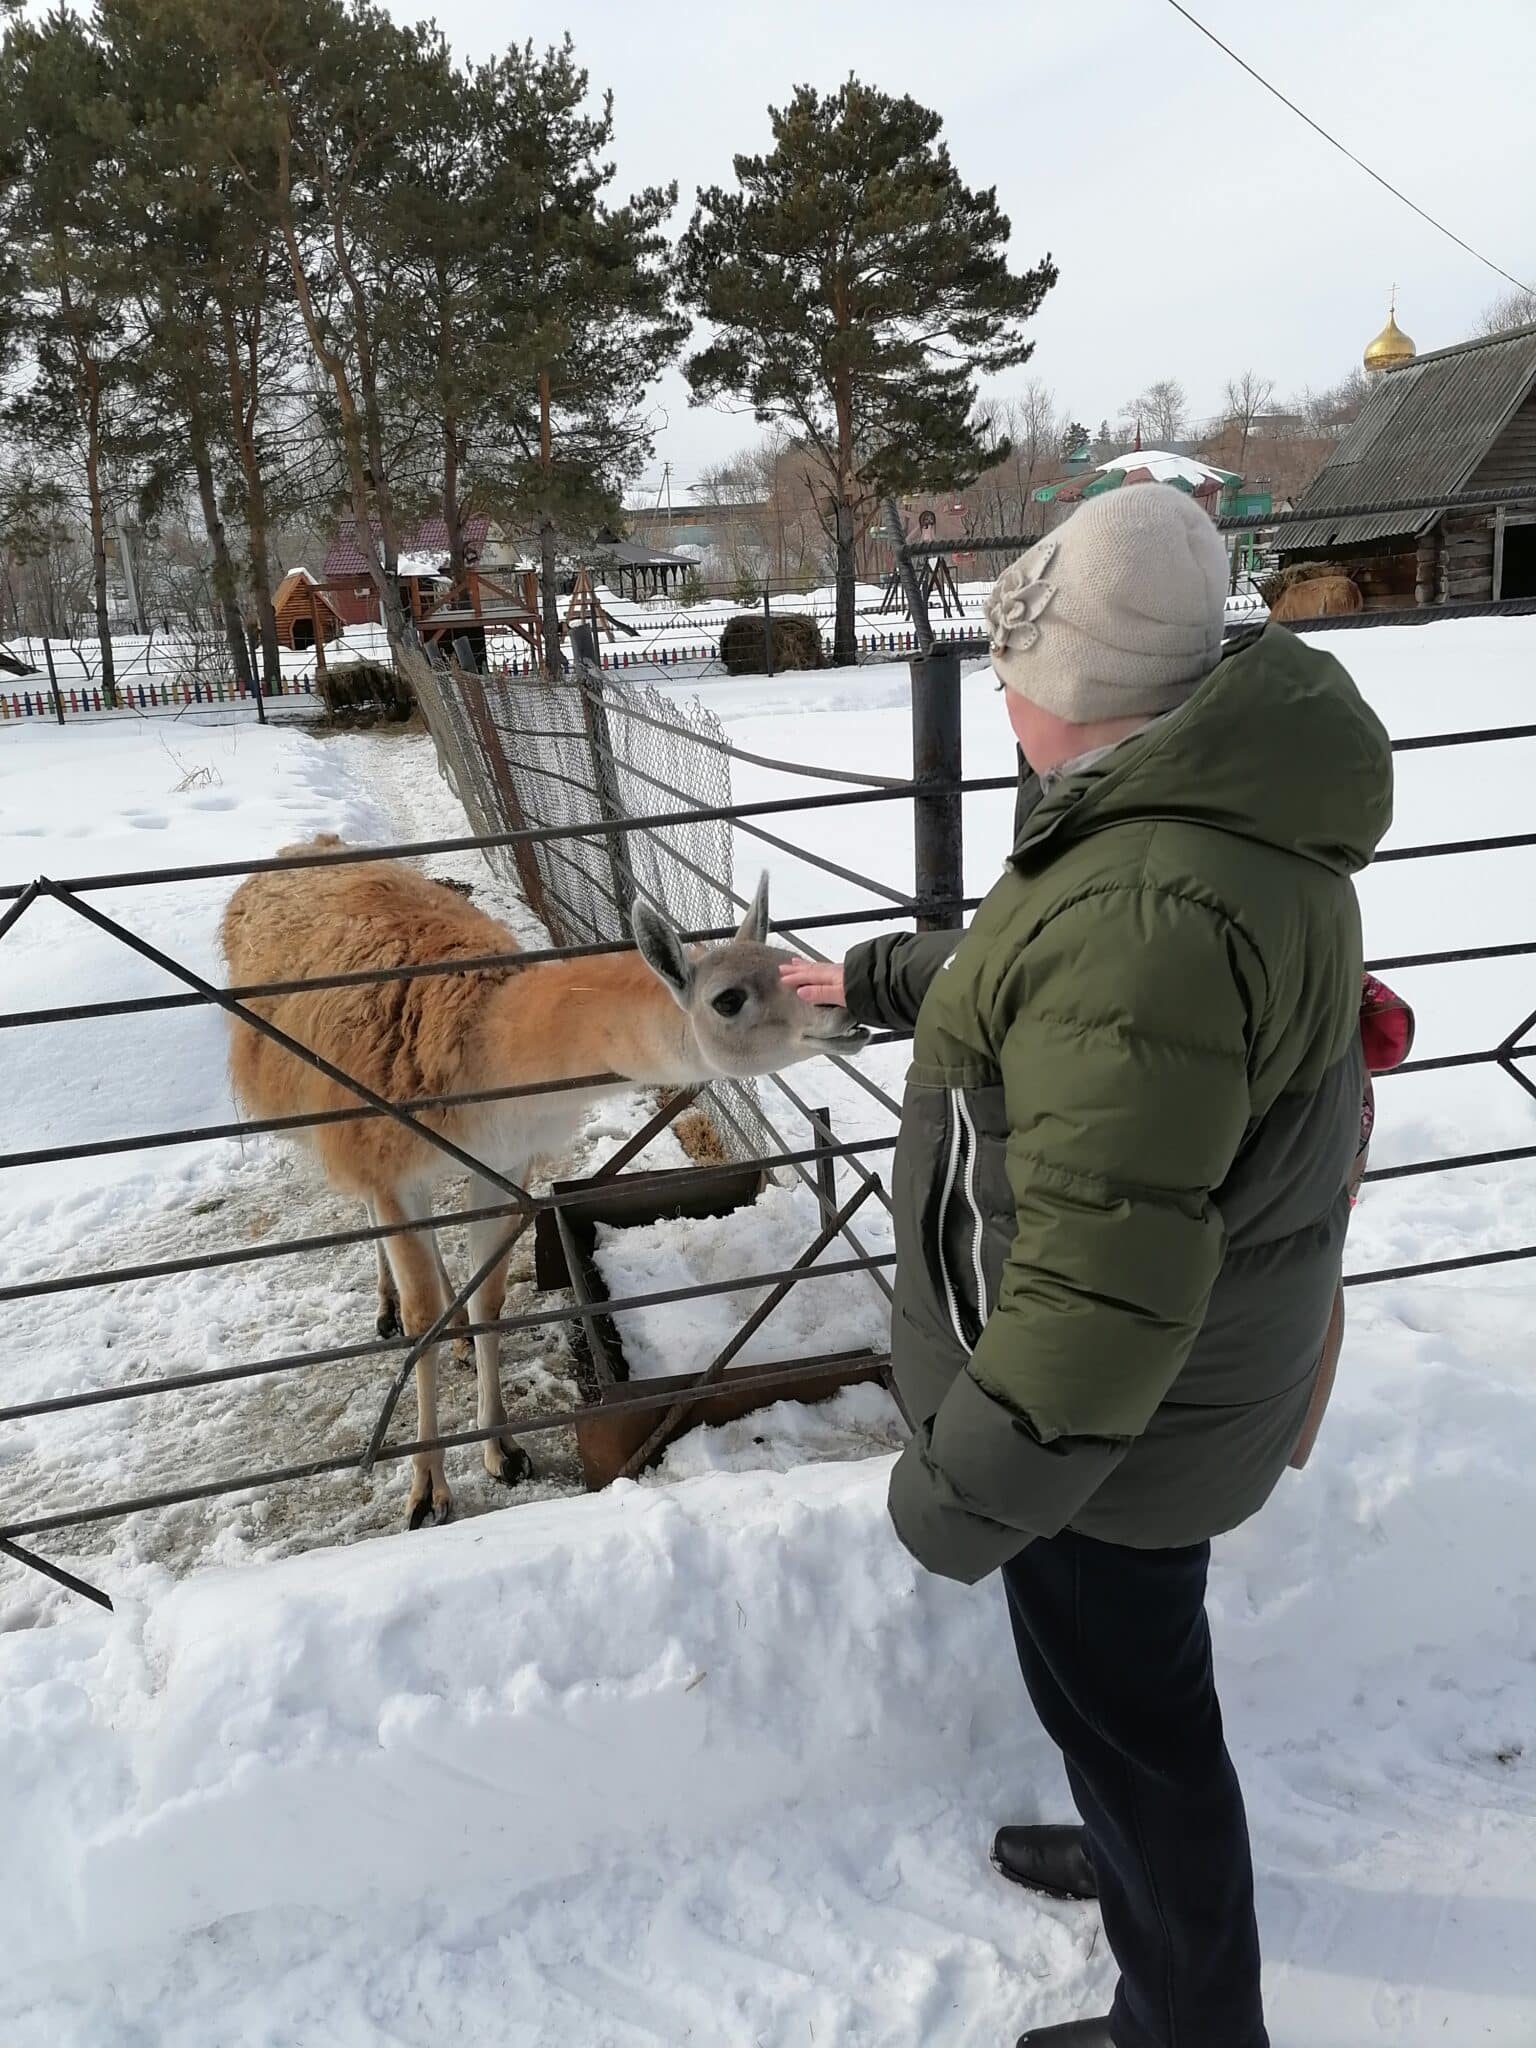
1391 347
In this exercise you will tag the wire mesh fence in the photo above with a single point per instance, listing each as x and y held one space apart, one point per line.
583 751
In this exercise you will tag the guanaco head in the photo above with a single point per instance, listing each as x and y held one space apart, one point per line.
745 1020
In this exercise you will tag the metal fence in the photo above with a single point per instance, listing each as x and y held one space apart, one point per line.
604 845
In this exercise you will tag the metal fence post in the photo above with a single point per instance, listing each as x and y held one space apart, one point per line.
53 681
937 835
258 687
767 629
605 783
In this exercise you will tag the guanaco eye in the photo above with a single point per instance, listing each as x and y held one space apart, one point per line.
730 1001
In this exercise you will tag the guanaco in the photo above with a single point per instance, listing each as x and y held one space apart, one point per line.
668 1014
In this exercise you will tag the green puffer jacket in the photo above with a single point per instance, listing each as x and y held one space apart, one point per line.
1132 1107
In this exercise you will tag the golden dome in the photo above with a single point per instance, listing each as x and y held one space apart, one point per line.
1391 346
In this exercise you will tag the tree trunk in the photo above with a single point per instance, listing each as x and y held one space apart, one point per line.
368 487
99 540
243 398
845 651
261 593
224 584
550 600
453 511
549 596
845 646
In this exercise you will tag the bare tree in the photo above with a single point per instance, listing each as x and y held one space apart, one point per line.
1513 309
1033 425
1162 411
1245 398
1331 411
735 489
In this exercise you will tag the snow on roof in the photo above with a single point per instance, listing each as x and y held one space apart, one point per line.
1164 468
418 565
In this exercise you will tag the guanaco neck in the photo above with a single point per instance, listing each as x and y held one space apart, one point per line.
607 1015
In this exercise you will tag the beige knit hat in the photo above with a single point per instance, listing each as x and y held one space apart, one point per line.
1118 613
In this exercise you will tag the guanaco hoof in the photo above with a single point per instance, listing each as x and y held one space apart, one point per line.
430 1514
516 1465
388 1324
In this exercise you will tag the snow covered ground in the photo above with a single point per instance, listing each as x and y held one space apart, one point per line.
706 1760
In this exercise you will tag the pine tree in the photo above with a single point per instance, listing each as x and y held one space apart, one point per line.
1074 437
573 311
209 257
312 104
60 227
856 288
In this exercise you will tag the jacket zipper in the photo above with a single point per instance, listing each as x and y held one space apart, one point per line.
963 1187
972 1149
952 1128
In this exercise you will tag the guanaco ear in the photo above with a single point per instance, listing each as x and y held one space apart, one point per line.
754 926
662 950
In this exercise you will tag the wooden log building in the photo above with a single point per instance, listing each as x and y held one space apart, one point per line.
304 612
1442 425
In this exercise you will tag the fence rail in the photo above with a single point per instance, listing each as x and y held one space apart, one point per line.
588 815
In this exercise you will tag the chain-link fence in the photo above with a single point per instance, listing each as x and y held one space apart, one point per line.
523 751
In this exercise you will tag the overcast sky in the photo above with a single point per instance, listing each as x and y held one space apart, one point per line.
1199 227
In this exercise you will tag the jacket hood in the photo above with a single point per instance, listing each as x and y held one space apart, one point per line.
1276 745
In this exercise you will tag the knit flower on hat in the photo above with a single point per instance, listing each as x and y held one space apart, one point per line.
1018 598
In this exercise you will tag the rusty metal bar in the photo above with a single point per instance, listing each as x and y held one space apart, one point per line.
61 893
744 1334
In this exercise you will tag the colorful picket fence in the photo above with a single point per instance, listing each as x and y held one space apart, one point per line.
159 694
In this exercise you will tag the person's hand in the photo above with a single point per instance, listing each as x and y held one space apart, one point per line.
816 981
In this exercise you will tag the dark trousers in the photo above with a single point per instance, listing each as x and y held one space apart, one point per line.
1116 1653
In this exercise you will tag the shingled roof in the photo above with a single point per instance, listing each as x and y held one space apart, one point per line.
345 558
1422 433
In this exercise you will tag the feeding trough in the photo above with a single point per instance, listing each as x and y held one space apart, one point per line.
621 1413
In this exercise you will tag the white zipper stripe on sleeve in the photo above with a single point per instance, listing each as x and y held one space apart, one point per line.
975 1208
951 1299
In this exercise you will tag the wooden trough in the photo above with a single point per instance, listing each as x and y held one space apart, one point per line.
613 1426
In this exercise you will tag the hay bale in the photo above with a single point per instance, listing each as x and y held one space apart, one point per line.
796 643
1317 597
361 692
1279 581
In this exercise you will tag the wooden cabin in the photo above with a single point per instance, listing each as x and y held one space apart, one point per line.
1438 426
302 606
422 569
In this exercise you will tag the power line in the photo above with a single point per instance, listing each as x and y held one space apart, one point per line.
1359 162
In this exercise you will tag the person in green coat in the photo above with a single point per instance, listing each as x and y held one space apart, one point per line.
1121 1196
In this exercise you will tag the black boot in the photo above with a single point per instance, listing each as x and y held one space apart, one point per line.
1052 1860
1075 2034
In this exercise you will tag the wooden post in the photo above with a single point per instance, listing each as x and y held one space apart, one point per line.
1498 551
912 590
767 630
524 856
588 674
53 681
